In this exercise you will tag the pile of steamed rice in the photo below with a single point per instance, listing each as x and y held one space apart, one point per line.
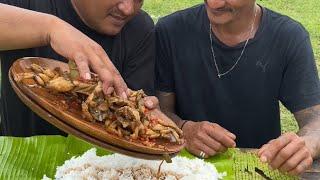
120 167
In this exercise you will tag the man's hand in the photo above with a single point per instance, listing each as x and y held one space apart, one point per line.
21 28
207 137
288 153
74 45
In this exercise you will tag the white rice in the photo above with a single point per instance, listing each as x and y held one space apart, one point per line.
119 167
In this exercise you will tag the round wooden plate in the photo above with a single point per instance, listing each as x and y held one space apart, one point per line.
58 106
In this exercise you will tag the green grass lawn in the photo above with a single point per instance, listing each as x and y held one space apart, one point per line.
306 12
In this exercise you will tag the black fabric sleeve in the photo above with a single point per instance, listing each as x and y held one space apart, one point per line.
44 6
18 3
300 86
164 79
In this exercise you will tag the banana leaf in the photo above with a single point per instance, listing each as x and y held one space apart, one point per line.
33 157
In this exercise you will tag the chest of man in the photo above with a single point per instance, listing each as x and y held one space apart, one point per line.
255 79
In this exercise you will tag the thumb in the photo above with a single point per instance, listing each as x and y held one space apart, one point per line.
151 102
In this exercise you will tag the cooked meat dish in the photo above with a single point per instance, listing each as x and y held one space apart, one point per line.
127 118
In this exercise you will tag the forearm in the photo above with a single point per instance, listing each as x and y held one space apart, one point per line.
311 134
175 118
167 105
21 28
309 123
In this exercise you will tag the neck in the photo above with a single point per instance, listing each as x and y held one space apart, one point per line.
238 30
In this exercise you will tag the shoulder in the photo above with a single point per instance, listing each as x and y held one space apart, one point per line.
287 28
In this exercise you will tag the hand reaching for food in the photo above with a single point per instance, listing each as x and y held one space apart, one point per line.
205 139
86 53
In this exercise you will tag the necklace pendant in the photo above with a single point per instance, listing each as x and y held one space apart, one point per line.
242 51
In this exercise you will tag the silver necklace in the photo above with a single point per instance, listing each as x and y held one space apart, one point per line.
244 47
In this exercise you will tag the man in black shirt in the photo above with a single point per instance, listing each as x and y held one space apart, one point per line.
221 69
123 30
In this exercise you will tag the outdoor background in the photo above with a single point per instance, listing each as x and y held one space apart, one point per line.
305 11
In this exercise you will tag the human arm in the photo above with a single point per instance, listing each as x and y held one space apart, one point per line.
204 136
300 93
21 28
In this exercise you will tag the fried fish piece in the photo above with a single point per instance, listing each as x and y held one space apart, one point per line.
60 84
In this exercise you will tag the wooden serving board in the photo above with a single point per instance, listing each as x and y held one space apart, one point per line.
68 116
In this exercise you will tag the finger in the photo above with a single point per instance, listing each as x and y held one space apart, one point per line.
219 135
273 148
107 82
264 147
83 67
196 147
210 142
109 90
103 72
301 167
119 84
261 152
228 133
190 147
295 160
231 135
287 152
151 102
206 149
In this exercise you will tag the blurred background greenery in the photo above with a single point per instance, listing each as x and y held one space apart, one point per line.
306 12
